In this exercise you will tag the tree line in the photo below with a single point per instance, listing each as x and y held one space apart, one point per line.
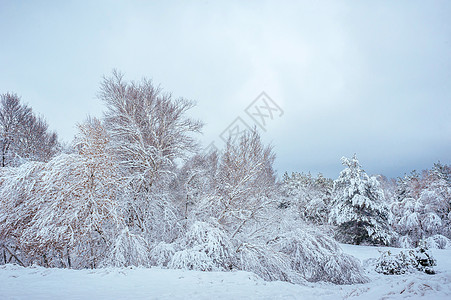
374 210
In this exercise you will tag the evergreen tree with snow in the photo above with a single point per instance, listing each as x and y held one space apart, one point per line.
358 208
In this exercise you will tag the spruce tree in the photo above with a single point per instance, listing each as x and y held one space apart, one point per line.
358 207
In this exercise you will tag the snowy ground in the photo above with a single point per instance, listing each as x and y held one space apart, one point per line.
139 283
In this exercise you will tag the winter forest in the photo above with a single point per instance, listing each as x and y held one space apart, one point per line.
135 189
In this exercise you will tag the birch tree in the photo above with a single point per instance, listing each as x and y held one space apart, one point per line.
149 132
23 135
78 214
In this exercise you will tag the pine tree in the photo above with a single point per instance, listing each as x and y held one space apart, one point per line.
358 207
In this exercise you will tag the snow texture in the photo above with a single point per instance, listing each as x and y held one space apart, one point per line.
155 283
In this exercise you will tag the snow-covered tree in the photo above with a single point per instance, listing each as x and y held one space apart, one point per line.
235 187
23 136
358 207
149 129
246 182
17 187
149 132
77 200
195 182
423 206
312 196
233 190
227 199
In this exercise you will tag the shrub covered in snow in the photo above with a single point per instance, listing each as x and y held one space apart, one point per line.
438 241
128 250
162 254
318 257
406 261
205 247
389 264
266 263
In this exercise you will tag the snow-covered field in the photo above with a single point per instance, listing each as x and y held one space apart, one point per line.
140 283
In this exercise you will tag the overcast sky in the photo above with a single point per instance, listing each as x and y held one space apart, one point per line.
365 77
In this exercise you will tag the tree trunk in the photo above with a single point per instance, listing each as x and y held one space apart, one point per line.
13 255
69 264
